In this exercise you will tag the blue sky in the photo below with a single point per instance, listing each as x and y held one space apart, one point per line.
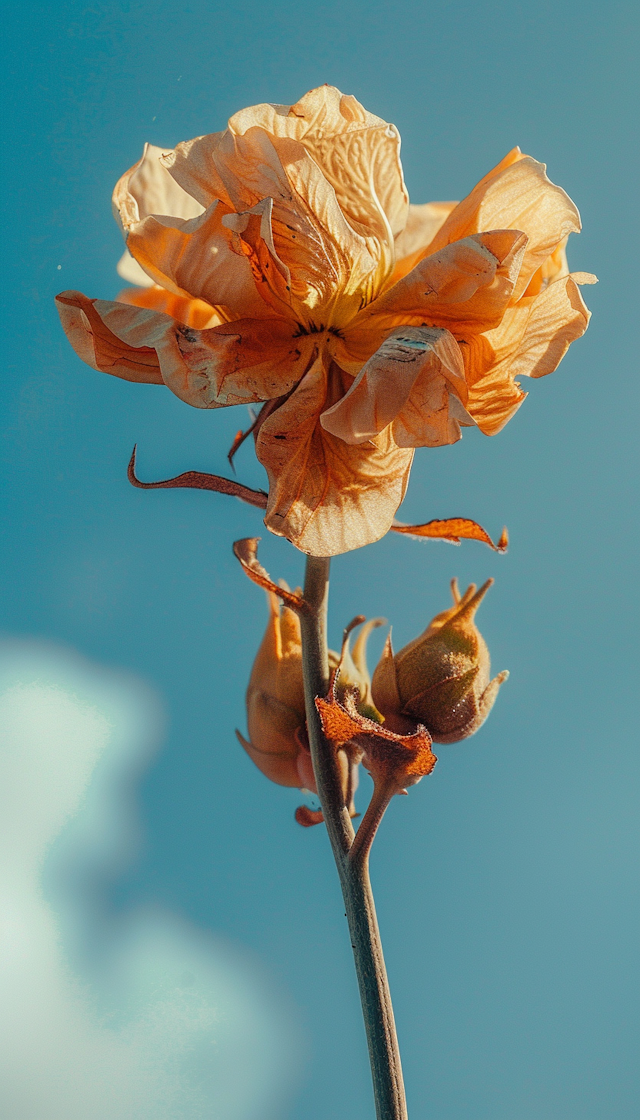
507 881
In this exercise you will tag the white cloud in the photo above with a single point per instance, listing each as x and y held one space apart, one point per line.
162 1022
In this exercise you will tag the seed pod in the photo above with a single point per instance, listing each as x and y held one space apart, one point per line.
442 678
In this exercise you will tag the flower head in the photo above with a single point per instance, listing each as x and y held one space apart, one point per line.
442 678
281 263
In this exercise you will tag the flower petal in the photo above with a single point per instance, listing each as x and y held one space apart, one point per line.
236 363
465 286
200 258
531 341
515 195
99 347
327 497
148 188
129 269
423 222
357 152
324 264
413 382
192 312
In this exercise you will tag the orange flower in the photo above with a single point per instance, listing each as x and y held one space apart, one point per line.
284 264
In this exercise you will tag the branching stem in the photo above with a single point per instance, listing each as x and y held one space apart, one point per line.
388 1087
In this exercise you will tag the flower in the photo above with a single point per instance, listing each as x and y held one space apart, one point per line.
442 678
284 264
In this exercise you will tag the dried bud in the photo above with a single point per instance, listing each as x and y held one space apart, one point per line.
275 703
354 675
440 679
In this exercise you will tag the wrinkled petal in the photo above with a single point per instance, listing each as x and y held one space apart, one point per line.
357 152
100 348
236 363
192 312
413 382
324 264
148 188
531 341
200 258
327 497
515 195
465 286
423 222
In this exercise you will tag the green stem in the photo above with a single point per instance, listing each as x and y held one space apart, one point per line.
384 1054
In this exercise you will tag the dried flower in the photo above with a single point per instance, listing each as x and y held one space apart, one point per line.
440 679
284 265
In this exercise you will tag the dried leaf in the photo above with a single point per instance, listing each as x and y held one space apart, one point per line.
308 817
196 480
246 551
453 529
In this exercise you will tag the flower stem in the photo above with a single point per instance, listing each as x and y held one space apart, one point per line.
388 1087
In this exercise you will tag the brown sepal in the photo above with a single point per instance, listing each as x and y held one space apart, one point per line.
308 817
453 529
246 551
397 760
197 480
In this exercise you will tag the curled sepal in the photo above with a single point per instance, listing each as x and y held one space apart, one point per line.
197 480
394 761
246 551
308 817
399 760
453 529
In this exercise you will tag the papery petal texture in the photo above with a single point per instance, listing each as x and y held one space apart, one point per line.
326 495
280 261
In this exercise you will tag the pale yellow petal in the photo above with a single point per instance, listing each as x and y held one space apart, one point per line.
517 195
465 286
423 222
357 152
413 383
530 342
320 266
129 269
558 317
148 188
327 497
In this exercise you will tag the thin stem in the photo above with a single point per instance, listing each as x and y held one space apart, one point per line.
380 798
388 1087
315 665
